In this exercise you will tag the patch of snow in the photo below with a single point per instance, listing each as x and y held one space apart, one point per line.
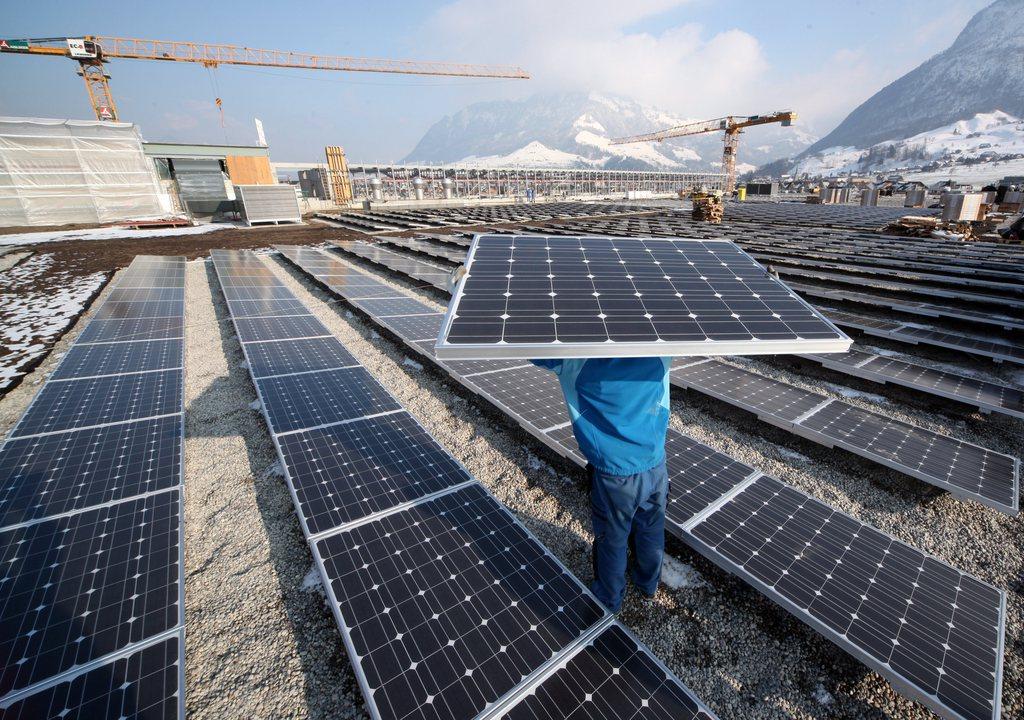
533 462
587 122
684 154
375 335
535 154
312 581
104 234
993 132
680 576
409 362
856 394
645 152
823 696
793 455
744 168
33 316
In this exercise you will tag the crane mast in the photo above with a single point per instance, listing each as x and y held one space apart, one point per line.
732 125
92 52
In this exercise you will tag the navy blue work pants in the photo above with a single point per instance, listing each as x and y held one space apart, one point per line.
628 512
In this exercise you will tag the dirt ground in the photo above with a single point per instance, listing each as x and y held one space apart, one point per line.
262 643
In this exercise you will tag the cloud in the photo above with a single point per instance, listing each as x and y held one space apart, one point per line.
594 46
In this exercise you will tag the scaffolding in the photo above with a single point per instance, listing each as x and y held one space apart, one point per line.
438 182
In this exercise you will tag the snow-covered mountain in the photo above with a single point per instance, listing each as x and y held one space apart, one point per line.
985 137
575 129
977 81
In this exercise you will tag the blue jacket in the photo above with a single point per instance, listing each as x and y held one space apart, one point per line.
619 409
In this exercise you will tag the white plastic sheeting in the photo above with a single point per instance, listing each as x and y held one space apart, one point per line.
54 172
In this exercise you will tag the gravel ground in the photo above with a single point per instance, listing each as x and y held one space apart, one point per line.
261 643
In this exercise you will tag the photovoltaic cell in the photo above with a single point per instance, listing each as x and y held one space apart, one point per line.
270 292
82 586
322 353
450 604
901 611
388 307
614 678
119 295
143 685
415 327
119 358
269 307
758 394
99 331
259 329
698 477
537 296
64 472
145 309
295 402
533 394
345 472
960 467
97 401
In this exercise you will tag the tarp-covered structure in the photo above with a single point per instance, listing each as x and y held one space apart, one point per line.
55 172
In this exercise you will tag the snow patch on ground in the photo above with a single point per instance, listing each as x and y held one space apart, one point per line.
856 394
312 582
793 455
823 696
680 576
105 234
409 362
34 313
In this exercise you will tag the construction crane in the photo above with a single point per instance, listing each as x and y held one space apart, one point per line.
91 52
733 125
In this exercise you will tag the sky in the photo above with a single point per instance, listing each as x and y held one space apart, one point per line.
694 58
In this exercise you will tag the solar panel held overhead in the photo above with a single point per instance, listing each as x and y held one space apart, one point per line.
533 296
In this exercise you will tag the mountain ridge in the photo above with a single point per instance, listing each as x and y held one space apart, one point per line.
980 72
574 130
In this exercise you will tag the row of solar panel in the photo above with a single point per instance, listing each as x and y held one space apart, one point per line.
986 396
934 631
965 469
910 307
979 256
917 334
448 606
989 396
881 278
92 599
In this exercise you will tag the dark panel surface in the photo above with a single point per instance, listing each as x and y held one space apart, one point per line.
139 686
944 460
345 472
613 678
450 604
279 328
124 330
756 393
119 358
79 587
62 472
282 358
95 401
599 291
933 626
303 401
530 392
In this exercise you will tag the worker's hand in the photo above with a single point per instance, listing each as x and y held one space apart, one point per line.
453 279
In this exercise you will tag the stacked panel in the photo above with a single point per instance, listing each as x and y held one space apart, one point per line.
91 501
448 606
934 632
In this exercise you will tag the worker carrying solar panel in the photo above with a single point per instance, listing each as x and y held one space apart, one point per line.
607 315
